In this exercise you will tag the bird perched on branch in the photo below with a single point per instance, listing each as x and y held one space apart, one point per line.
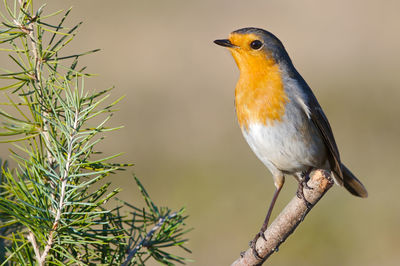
280 117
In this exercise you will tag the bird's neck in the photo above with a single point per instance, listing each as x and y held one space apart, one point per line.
260 96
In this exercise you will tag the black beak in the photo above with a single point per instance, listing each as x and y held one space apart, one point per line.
225 43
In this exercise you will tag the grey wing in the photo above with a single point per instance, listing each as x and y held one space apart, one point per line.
321 122
317 116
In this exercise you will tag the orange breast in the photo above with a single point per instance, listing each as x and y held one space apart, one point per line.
259 95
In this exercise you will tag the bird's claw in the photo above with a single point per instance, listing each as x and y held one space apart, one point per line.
300 194
253 242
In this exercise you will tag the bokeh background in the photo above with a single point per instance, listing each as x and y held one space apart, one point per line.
181 133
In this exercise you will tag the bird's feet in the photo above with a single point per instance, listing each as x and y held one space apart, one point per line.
300 192
253 242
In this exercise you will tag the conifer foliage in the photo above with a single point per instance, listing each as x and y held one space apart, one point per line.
52 205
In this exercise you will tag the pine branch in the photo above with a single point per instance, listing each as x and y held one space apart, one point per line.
52 204
32 239
149 235
38 66
166 231
61 203
287 221
38 77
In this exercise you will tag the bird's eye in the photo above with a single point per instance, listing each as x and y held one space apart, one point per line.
255 45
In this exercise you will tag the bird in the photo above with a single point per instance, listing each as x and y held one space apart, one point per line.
280 117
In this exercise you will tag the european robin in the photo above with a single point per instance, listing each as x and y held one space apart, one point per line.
280 117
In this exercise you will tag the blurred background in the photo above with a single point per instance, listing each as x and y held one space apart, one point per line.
181 131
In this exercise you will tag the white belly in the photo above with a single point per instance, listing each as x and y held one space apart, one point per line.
286 147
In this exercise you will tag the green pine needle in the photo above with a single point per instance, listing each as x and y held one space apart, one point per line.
54 204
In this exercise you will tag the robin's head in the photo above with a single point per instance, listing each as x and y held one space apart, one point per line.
254 48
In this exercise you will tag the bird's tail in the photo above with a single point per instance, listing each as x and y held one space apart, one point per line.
352 184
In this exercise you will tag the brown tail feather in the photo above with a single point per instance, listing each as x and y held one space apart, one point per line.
352 184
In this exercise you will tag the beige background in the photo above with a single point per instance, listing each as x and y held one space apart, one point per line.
181 133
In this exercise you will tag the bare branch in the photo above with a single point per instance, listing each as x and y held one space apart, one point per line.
287 220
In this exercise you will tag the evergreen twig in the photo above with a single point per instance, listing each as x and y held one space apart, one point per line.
52 204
